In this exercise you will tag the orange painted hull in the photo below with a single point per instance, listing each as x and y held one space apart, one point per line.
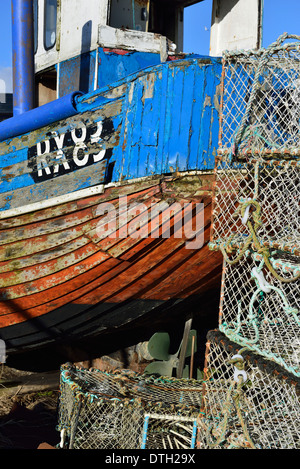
61 281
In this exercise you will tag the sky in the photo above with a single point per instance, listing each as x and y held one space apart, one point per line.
279 17
5 45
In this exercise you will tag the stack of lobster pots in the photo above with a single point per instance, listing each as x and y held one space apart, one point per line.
252 369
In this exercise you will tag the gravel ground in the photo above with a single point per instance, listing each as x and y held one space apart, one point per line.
28 408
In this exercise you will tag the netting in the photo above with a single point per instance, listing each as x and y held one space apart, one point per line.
259 311
261 101
257 186
256 215
249 402
257 203
251 399
126 410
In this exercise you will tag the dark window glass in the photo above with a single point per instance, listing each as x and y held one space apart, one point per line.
50 23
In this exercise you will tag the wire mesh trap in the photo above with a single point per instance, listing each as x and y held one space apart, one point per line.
126 410
248 401
257 203
255 220
261 101
251 397
256 197
261 312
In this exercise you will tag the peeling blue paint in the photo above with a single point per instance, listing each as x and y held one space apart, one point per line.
175 130
158 120
114 65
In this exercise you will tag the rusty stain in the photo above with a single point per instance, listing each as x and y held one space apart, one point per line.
217 98
142 3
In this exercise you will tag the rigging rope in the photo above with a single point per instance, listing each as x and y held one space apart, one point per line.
253 240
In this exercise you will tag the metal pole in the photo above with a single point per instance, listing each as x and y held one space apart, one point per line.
23 56
186 334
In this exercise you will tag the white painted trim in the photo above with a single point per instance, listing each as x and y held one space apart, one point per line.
132 40
13 212
96 70
57 80
61 199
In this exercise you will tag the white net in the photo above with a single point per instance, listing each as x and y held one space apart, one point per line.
261 312
257 203
256 214
126 410
261 101
252 369
256 197
248 402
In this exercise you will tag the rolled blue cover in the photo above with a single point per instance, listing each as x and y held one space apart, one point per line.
39 117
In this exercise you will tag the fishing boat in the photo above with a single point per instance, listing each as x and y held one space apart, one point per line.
106 174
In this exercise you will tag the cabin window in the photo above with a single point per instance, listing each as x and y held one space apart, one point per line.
155 16
50 23
129 14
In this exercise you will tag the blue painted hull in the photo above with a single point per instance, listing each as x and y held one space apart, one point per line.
161 120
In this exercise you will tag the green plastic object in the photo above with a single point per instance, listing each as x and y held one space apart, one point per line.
159 346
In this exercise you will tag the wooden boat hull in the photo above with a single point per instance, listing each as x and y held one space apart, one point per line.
61 281
150 138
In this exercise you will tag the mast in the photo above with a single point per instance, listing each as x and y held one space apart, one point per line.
23 56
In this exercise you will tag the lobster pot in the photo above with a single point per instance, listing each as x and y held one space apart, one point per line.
261 312
260 101
126 410
256 202
248 401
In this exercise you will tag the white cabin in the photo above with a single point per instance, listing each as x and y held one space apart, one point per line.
87 44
